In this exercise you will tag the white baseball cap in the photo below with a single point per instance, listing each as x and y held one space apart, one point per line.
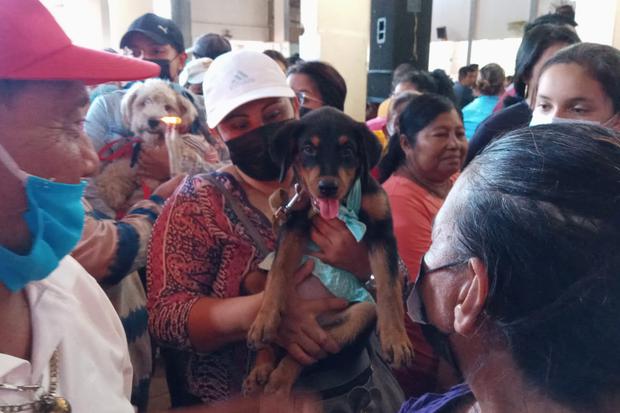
194 71
239 77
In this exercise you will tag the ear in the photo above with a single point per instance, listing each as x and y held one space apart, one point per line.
182 61
404 143
128 101
283 147
471 299
369 148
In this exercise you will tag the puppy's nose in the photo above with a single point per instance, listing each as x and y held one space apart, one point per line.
153 123
328 187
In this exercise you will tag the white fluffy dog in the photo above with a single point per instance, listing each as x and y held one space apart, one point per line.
142 108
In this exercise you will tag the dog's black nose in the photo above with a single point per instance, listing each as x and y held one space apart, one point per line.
153 123
328 187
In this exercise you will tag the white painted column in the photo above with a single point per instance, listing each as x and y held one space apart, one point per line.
122 13
337 32
281 21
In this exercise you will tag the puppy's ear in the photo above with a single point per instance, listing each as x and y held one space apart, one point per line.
283 147
187 110
369 147
128 101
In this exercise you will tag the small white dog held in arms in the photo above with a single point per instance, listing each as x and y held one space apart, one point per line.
142 108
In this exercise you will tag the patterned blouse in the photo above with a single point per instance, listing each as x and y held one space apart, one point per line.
200 248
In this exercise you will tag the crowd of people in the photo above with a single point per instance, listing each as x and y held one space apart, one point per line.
502 194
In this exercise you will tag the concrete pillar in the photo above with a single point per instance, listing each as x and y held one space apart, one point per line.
338 32
281 21
122 13
182 16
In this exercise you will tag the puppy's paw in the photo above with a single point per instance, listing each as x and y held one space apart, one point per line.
280 382
255 382
264 329
397 349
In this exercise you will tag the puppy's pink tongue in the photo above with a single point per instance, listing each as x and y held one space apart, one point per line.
328 207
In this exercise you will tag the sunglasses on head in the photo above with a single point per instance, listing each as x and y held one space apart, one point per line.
415 309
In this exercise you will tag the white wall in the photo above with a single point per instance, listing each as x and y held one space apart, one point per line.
80 19
494 16
244 19
596 24
454 15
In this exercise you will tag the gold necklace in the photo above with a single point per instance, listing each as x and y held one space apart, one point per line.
48 402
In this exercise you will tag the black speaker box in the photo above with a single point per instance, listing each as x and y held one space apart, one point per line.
400 31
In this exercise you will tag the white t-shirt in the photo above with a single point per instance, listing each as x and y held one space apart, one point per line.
69 311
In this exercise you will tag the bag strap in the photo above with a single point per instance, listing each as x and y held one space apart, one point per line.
240 213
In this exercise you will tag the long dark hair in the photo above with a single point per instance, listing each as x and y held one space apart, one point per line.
543 213
533 45
331 84
601 62
417 115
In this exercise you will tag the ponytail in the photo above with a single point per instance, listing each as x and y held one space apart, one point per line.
392 160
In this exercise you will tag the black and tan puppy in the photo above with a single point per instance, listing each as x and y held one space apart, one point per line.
329 151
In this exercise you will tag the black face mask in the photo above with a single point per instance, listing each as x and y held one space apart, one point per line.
250 152
164 68
304 111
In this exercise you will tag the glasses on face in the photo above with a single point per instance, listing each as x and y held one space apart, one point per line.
415 309
303 97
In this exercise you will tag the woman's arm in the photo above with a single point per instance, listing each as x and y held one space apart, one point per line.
412 228
214 323
184 259
110 249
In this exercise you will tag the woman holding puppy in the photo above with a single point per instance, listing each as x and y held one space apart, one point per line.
214 232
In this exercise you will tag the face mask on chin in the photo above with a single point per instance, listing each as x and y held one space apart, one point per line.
55 218
250 152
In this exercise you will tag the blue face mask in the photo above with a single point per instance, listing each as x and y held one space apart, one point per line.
55 218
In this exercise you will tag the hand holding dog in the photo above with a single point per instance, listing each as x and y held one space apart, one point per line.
339 248
300 333
167 188
154 163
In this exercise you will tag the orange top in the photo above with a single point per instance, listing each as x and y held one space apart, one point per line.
413 211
